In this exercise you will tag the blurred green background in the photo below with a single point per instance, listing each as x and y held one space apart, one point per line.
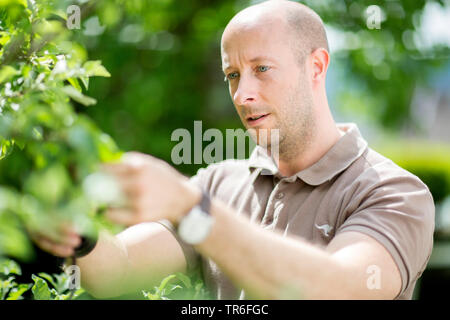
164 57
392 81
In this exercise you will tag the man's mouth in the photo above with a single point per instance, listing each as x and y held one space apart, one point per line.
256 118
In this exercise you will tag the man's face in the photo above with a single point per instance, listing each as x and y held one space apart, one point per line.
268 86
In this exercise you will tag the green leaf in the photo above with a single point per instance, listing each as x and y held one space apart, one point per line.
60 13
40 289
74 82
50 184
10 2
78 96
61 282
57 296
16 293
19 143
95 68
185 279
8 266
170 288
5 286
47 277
85 81
4 38
165 281
6 73
13 240
76 294
6 147
150 296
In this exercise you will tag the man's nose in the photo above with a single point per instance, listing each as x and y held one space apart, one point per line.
246 92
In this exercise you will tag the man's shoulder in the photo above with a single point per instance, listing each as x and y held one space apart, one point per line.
373 170
374 164
393 206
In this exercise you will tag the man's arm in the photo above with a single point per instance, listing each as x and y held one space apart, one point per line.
264 263
267 265
136 259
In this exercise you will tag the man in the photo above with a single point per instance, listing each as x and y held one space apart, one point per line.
328 219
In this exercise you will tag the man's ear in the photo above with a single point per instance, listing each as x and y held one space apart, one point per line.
320 58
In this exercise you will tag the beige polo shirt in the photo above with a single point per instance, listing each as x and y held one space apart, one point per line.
351 188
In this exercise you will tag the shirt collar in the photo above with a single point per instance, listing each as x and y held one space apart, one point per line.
344 152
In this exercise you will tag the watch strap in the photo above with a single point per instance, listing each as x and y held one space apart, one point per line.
87 245
195 226
205 202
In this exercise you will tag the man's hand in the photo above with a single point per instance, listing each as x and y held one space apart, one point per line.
153 189
61 243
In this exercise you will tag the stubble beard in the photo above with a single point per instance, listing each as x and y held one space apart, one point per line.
297 125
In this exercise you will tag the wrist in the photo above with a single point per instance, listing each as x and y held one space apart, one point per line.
191 196
86 246
196 226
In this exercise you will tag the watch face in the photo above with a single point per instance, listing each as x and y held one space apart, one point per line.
195 227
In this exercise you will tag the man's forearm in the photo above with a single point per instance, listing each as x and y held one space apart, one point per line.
104 269
267 265
264 263
136 259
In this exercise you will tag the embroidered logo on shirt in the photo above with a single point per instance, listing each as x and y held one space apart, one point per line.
325 228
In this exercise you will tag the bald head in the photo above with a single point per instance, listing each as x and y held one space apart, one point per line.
275 58
304 26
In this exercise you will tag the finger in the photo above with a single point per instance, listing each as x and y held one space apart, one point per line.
56 249
73 240
118 169
49 232
131 162
121 216
135 159
68 228
131 187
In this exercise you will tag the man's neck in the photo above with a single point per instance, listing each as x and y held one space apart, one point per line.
324 140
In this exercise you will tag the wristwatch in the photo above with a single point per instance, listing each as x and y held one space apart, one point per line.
87 245
195 227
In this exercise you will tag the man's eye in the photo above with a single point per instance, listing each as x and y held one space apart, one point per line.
263 68
232 75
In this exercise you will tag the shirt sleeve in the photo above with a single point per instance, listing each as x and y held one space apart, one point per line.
191 256
399 213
